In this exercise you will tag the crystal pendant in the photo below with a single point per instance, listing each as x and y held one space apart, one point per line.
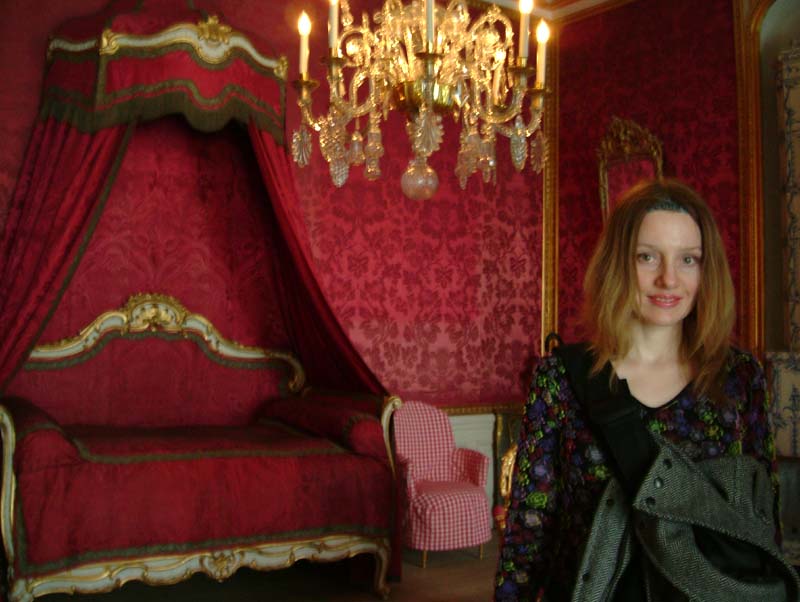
332 136
426 132
355 154
519 144
301 146
487 161
339 169
538 152
419 181
467 160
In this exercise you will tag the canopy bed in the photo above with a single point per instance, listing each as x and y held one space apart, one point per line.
152 435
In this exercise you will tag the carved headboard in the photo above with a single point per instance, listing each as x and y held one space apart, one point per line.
154 362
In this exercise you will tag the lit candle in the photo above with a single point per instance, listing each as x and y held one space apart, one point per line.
333 24
542 35
525 8
304 27
429 23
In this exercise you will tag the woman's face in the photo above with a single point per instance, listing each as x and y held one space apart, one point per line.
669 253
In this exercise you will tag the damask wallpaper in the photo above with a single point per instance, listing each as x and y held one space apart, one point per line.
441 296
186 218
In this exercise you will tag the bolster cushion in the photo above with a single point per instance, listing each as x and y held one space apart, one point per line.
41 442
357 431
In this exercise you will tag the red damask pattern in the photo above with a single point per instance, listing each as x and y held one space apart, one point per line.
669 65
442 297
188 217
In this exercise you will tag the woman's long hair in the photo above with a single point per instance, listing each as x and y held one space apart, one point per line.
611 287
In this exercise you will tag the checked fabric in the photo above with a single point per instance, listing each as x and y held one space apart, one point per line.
445 502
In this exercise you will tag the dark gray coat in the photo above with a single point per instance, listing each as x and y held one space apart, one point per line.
731 495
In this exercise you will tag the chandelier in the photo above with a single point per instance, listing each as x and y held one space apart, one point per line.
426 60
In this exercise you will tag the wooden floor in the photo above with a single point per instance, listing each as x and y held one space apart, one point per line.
457 576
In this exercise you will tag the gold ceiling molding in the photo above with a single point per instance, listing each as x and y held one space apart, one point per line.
560 11
586 10
748 16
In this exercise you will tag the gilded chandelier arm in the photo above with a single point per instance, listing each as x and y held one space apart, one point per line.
350 108
305 87
533 124
308 117
495 114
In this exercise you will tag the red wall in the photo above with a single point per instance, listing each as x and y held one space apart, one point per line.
442 297
669 65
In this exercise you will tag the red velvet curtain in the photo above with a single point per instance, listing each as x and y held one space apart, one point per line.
313 329
316 335
63 186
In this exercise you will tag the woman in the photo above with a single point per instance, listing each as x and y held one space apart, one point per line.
659 310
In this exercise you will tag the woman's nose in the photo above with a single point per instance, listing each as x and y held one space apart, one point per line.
668 276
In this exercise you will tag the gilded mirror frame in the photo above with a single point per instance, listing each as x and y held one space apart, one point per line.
625 142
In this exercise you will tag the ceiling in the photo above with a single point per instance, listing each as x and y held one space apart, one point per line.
556 10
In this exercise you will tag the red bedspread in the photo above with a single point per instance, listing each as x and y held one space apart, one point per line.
112 493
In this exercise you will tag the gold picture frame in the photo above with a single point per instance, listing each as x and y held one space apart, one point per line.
627 153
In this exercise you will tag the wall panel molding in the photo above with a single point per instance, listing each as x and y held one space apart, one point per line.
748 15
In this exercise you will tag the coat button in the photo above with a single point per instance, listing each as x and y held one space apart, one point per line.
610 502
667 463
586 577
651 501
659 482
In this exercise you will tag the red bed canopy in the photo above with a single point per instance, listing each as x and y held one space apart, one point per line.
136 61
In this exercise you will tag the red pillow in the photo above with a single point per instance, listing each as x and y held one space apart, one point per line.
40 441
357 431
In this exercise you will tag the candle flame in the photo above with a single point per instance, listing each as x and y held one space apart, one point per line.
542 32
525 6
304 24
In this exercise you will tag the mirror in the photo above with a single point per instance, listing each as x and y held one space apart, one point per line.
627 154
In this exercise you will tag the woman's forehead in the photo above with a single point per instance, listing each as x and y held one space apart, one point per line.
669 228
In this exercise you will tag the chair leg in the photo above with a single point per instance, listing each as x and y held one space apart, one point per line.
424 558
480 552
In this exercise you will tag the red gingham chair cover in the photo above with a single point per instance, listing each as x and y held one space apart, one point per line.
446 505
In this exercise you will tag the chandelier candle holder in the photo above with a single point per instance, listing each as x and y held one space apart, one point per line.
427 61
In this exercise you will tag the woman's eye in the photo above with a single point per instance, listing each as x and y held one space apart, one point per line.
645 257
691 260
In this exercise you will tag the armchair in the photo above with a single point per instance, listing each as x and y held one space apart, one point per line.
445 504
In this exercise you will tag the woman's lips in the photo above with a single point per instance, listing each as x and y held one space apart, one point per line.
665 301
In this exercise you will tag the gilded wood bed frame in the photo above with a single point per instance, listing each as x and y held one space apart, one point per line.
160 313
